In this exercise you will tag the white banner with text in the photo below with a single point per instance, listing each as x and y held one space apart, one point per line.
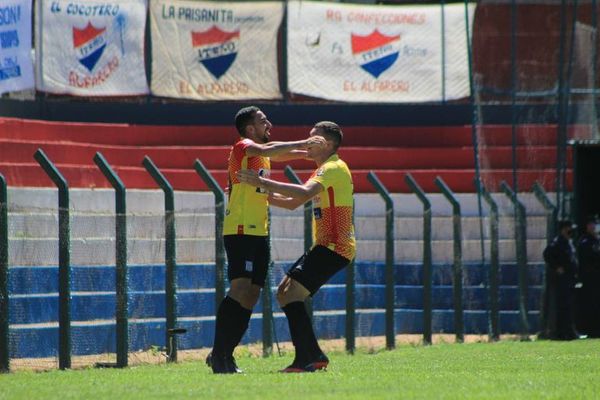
388 54
215 50
91 48
16 65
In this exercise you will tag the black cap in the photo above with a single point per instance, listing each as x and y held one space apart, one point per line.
592 219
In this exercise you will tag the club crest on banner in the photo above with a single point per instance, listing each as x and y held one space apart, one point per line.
89 44
217 49
375 53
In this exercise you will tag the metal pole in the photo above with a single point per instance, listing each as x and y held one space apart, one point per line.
390 335
559 103
513 91
350 303
4 310
267 314
551 210
459 326
474 123
427 273
121 283
212 184
595 133
308 236
547 323
443 28
170 257
284 54
64 259
268 322
494 271
521 249
563 206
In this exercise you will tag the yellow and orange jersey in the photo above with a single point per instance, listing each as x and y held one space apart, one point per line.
333 208
247 208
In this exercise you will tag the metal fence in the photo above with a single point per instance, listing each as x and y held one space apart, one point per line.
172 328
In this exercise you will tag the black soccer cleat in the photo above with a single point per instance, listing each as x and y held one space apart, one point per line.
233 366
222 365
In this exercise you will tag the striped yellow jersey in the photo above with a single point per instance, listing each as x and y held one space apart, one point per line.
333 208
247 208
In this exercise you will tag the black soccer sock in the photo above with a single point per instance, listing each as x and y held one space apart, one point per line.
224 326
303 336
239 326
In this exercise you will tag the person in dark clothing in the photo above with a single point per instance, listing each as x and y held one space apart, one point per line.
561 273
588 250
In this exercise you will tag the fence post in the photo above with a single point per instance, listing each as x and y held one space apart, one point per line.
4 318
212 184
521 249
350 308
390 334
267 301
458 263
427 273
551 210
267 320
170 257
548 305
308 239
351 301
494 316
64 259
121 283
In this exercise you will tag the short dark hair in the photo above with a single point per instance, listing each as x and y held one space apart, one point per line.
565 223
245 117
331 131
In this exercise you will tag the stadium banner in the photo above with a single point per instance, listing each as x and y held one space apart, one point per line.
215 50
385 54
91 48
16 65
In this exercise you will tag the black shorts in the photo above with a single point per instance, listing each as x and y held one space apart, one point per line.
248 257
316 267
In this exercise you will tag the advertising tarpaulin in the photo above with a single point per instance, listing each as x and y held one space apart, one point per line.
16 66
215 50
354 52
91 48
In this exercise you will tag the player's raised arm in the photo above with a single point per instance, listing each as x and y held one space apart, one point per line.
276 150
291 155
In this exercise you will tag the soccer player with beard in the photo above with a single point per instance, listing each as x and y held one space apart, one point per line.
331 189
246 229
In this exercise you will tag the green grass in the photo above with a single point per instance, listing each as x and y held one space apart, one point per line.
508 370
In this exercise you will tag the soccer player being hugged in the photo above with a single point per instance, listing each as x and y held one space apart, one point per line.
331 189
245 229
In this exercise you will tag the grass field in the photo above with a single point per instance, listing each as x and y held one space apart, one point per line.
508 370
